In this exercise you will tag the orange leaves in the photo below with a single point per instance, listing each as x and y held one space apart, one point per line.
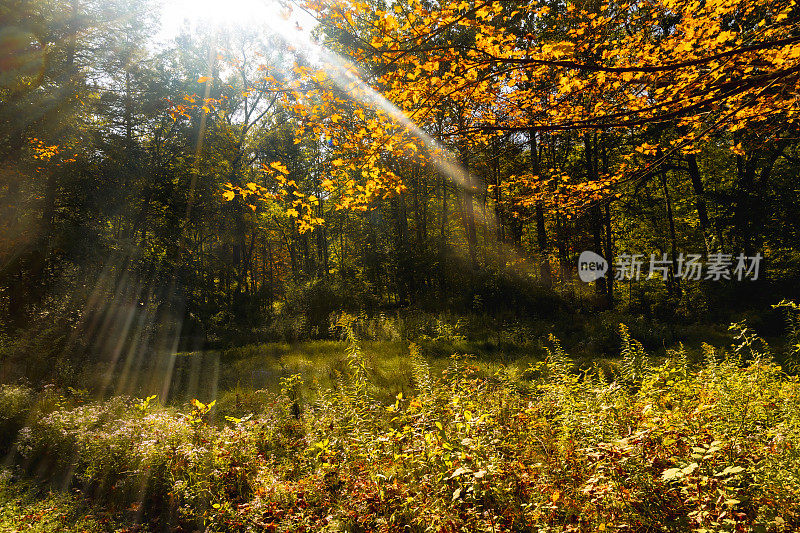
298 207
193 103
362 139
628 57
282 196
177 111
558 50
349 17
560 191
51 154
43 152
647 149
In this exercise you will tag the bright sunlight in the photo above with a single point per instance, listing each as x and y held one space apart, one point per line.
249 14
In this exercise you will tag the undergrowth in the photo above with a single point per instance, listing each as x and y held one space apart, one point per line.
667 446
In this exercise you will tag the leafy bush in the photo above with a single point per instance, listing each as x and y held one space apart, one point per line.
313 303
15 405
506 290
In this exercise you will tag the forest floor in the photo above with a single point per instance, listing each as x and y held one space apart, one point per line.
237 378
483 429
670 443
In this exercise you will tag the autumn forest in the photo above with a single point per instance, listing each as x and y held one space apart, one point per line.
399 265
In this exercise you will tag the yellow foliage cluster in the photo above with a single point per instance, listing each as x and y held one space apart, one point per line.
722 65
466 72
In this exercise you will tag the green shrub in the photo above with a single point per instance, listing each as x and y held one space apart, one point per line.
311 305
16 402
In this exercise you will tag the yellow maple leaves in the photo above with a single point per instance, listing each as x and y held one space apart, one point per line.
280 167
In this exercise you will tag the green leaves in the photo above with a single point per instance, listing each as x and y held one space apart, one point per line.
672 474
730 471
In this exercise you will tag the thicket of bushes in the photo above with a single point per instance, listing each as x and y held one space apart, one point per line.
677 446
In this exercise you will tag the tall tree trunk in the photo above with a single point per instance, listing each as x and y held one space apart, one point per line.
608 253
405 281
592 169
498 214
468 209
545 270
443 238
673 282
700 200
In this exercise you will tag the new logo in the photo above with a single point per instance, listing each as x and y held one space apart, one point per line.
591 267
